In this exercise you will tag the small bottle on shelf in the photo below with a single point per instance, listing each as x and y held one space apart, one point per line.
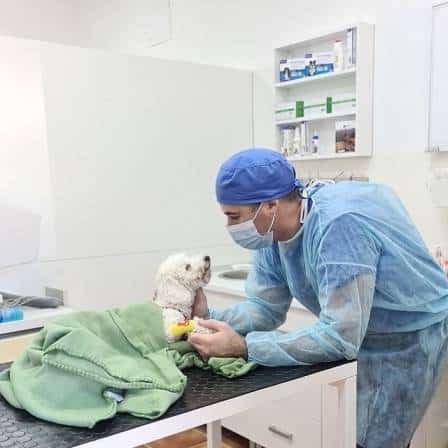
338 50
303 138
297 142
315 143
284 147
287 148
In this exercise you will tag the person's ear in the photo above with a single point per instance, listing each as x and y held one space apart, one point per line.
272 205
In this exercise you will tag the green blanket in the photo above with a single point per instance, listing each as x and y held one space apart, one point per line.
85 367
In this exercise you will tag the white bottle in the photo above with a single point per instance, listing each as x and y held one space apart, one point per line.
338 50
315 143
284 148
297 142
351 49
304 137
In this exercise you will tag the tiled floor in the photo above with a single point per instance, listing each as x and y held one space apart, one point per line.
196 438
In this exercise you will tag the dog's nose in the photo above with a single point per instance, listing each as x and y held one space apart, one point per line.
207 259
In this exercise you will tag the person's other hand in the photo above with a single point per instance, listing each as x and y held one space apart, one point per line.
226 342
200 305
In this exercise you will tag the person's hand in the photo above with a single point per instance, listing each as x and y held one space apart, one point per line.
200 306
226 342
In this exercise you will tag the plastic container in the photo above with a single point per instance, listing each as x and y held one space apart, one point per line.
315 143
338 50
10 314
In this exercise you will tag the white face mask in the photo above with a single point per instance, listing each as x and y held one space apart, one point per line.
246 234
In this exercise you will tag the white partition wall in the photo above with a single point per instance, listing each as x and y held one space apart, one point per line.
118 155
134 144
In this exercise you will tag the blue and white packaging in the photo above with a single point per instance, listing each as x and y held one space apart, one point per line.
319 63
291 69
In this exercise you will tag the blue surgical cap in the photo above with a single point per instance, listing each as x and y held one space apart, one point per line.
255 175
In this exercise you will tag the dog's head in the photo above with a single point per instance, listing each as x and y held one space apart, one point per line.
190 271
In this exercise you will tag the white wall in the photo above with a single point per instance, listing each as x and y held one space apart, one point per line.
244 33
24 168
118 155
134 145
46 20
126 26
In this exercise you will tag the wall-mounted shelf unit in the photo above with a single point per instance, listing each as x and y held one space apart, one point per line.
340 97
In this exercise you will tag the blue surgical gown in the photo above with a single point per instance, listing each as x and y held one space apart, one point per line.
360 265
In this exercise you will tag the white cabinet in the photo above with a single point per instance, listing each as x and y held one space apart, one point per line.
287 423
292 422
279 424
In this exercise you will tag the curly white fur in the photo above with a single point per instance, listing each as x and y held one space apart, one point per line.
178 279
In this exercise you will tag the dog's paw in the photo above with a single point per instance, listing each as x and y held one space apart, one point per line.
200 329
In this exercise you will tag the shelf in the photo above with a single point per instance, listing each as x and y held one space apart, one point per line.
435 149
343 155
316 78
320 117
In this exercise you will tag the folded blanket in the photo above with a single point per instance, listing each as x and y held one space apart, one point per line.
87 366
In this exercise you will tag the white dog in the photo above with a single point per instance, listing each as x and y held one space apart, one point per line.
178 279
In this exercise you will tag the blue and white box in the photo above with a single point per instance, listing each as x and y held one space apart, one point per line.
291 69
319 63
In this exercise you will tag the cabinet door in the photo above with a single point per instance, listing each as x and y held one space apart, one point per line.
12 346
289 423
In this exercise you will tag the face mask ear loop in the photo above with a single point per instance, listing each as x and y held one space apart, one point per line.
257 212
273 218
304 208
272 222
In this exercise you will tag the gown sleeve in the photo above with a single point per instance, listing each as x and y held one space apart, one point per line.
344 265
268 297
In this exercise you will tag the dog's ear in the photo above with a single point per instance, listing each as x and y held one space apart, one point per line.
188 267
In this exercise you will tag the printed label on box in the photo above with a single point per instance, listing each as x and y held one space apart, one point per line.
345 136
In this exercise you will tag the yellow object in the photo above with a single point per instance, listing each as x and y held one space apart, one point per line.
180 328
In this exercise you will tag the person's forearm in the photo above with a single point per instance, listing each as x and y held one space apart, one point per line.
312 345
251 315
337 335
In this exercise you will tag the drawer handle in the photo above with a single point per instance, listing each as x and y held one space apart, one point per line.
275 430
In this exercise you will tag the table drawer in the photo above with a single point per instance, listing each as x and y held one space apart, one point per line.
10 347
290 423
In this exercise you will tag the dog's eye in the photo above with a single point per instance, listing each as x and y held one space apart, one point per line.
187 267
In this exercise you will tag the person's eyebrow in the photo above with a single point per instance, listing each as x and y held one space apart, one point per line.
232 213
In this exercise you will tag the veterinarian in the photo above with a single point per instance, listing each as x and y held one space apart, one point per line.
349 253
